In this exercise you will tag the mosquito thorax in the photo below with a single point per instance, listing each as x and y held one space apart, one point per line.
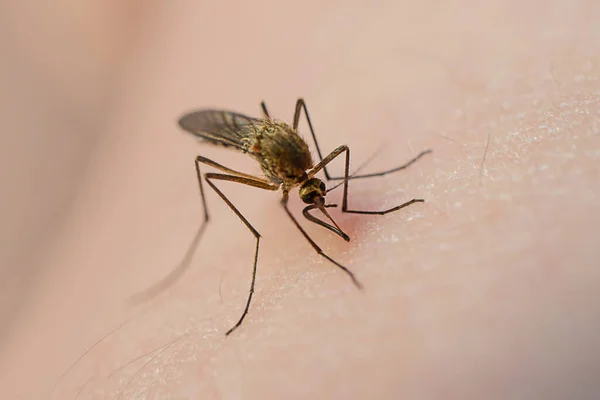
311 190
284 156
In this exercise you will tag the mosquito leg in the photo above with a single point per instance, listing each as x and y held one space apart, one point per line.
182 267
357 170
401 167
250 182
333 155
284 202
263 105
300 104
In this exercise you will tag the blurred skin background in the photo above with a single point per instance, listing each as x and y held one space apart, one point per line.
60 74
489 290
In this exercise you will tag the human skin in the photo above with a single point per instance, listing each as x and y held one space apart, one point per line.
489 289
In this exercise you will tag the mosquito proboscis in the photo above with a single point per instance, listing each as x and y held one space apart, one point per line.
286 163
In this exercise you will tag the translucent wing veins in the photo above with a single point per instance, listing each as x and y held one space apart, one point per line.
220 127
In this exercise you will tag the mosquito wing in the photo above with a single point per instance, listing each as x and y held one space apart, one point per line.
220 127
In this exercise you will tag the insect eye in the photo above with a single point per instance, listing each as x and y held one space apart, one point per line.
309 196
322 187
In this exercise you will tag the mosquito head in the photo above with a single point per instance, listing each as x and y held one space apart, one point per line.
313 192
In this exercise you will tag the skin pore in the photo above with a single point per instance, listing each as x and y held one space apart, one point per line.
486 290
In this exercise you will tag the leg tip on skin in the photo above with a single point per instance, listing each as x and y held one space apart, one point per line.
358 285
230 331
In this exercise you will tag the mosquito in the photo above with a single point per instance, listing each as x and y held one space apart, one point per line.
286 163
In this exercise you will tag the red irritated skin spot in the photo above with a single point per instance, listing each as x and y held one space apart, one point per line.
286 162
